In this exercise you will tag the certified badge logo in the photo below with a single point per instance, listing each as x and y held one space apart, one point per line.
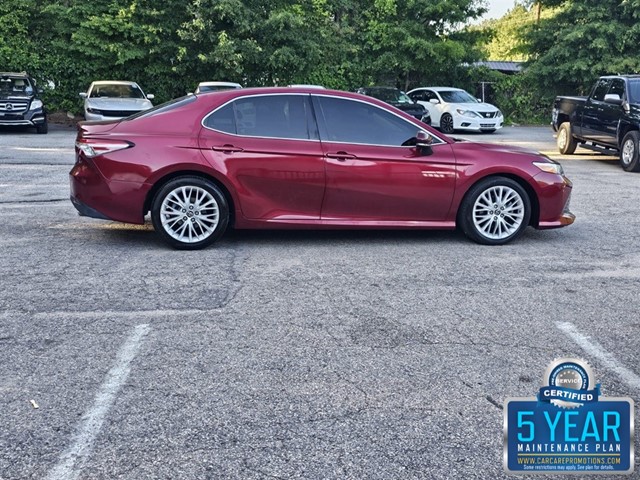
569 427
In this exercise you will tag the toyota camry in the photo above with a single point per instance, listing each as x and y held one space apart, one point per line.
267 158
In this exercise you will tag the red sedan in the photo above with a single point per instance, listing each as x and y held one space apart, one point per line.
306 158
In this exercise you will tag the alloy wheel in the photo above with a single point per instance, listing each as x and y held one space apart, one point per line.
189 214
498 212
628 150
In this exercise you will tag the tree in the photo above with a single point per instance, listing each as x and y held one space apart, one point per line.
583 40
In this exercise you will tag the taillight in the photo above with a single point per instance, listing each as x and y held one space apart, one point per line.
94 147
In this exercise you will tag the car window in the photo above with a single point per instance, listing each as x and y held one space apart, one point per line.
13 85
116 91
457 96
634 90
351 121
273 116
617 87
600 90
418 96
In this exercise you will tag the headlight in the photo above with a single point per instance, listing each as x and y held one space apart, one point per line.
550 167
36 104
467 113
499 114
93 110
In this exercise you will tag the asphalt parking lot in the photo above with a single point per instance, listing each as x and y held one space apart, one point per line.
364 355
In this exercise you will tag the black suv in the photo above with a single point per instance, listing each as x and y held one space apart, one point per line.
398 99
20 102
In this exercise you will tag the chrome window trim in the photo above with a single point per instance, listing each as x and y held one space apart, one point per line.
255 136
440 141
202 122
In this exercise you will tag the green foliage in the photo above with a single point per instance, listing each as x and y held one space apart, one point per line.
170 46
583 40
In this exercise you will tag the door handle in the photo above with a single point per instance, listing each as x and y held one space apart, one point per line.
340 156
227 148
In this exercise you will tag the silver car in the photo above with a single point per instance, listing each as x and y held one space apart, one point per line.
112 100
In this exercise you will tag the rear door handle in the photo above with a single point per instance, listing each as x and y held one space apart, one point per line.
340 156
227 149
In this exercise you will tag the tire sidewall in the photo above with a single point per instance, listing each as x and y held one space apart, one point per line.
465 217
634 164
189 181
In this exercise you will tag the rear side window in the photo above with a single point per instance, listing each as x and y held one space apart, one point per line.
350 121
272 116
600 90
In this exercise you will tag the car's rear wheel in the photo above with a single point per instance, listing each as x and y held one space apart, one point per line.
629 154
566 142
495 211
189 212
446 123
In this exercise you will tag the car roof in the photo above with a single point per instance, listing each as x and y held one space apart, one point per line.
13 74
113 82
439 89
218 84
379 88
621 76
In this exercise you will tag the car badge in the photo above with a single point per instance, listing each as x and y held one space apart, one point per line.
9 107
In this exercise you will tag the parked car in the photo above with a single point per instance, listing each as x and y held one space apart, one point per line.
609 118
111 100
267 158
398 99
204 87
454 109
20 102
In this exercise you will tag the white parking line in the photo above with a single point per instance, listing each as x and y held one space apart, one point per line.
595 349
71 462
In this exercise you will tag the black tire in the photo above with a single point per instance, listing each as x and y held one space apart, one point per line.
513 215
200 193
566 141
629 154
446 123
44 128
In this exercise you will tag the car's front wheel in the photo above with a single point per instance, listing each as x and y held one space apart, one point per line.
629 154
495 211
44 128
189 212
446 123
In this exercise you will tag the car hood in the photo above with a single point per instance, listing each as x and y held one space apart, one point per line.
408 107
475 107
107 103
15 96
462 144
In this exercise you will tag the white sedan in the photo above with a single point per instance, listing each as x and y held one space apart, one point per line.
455 109
112 100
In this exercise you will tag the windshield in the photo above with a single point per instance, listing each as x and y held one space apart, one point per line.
457 96
215 88
15 86
390 95
116 90
634 90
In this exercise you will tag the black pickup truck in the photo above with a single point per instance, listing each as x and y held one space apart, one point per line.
608 119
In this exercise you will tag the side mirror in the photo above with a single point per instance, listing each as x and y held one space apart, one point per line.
613 98
423 143
151 96
435 101
83 94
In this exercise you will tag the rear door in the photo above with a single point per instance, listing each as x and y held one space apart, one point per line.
268 146
373 173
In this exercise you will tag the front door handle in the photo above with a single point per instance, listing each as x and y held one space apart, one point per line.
228 148
340 156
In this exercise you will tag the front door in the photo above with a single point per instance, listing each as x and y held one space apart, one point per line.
372 170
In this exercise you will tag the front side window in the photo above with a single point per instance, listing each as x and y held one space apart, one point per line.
634 90
600 90
350 121
273 116
617 87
